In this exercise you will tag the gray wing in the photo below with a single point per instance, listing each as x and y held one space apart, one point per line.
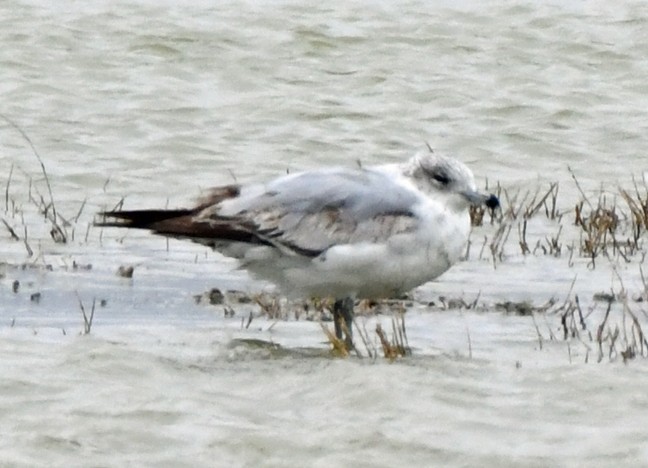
309 212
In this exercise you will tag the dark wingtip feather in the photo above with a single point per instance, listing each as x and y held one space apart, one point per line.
138 219
162 220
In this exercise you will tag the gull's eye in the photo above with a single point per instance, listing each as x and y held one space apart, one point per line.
441 178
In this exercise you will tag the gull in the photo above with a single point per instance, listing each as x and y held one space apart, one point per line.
345 233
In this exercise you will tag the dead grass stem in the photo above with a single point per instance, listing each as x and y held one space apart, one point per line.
87 318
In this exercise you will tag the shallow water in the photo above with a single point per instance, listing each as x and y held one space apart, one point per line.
155 102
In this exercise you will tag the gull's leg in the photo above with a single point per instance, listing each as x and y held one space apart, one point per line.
343 311
337 317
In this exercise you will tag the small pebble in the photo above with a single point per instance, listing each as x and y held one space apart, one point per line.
216 297
126 271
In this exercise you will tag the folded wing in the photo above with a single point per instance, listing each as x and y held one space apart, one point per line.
300 214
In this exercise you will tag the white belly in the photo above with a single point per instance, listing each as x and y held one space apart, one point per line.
371 270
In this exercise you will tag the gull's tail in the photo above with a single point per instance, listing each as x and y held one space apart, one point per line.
174 223
184 222
188 223
141 219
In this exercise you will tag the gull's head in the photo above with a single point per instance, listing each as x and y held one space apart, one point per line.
445 177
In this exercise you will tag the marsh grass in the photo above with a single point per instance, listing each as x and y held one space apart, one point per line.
613 332
46 207
88 318
397 346
338 346
611 225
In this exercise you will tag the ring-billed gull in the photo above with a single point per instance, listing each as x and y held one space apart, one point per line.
335 232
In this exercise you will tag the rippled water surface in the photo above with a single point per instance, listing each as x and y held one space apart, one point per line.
157 101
